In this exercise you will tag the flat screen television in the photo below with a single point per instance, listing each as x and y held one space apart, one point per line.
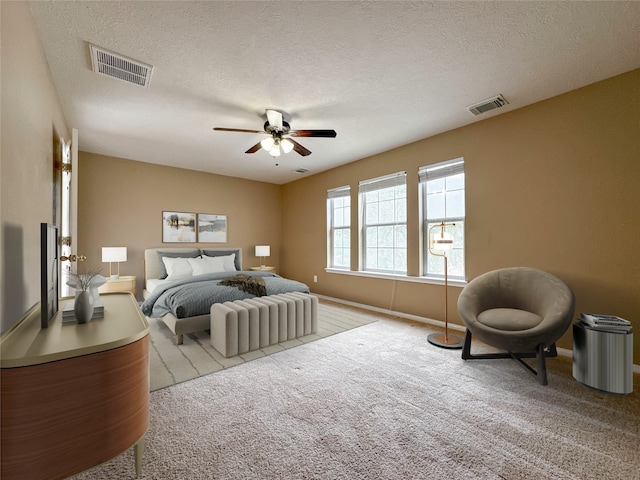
48 273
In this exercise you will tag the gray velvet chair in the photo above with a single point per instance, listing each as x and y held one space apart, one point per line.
520 310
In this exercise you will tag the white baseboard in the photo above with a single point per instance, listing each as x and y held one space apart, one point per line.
565 352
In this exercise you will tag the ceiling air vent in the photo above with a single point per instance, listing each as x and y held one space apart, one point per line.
300 170
111 64
486 105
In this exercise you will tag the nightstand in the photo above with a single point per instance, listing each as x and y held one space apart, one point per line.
120 284
266 268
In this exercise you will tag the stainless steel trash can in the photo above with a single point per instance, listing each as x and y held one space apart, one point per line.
603 359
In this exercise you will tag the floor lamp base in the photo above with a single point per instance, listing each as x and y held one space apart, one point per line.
445 341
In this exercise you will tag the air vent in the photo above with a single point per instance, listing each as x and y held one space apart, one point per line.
117 66
486 105
300 170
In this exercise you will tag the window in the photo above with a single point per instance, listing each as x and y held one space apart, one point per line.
339 227
384 224
442 190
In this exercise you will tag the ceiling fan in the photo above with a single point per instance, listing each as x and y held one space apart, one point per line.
279 135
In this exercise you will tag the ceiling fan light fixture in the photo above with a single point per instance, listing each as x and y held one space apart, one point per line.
267 143
287 145
275 150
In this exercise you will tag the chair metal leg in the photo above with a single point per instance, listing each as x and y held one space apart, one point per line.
540 354
541 365
467 355
466 348
541 372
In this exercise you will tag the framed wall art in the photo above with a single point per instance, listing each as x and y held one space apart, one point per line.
212 228
178 227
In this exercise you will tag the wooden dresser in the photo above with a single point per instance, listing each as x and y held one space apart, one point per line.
73 396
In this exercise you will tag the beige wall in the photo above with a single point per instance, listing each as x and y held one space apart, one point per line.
120 204
31 121
555 185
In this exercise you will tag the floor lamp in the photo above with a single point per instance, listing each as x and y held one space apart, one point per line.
443 242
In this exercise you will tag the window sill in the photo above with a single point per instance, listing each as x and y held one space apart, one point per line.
402 278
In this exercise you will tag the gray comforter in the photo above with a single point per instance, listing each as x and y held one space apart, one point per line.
194 296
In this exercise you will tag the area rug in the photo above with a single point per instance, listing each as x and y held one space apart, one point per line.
379 402
171 363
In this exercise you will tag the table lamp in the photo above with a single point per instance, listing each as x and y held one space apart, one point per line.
114 254
262 251
443 242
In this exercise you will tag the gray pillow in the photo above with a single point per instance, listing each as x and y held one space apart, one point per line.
163 269
222 253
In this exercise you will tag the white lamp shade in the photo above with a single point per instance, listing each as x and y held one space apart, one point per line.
442 241
114 254
267 143
263 250
287 145
275 150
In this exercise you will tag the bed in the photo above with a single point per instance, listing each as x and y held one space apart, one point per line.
182 299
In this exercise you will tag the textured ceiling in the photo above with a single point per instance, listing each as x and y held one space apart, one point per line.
382 74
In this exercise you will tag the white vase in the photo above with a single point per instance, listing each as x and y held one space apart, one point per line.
83 307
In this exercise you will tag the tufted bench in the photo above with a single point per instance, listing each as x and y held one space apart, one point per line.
244 325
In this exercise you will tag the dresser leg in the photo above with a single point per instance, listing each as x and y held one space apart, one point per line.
138 450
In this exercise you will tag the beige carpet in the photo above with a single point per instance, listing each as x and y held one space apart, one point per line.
378 402
172 363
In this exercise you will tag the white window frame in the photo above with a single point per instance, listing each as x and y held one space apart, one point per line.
336 198
65 221
398 250
438 171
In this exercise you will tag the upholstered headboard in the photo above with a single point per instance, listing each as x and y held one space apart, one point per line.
153 263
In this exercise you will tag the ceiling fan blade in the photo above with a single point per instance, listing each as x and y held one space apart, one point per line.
275 118
299 148
313 133
255 148
220 129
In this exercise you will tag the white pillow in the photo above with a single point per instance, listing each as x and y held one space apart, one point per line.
229 262
203 265
177 267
